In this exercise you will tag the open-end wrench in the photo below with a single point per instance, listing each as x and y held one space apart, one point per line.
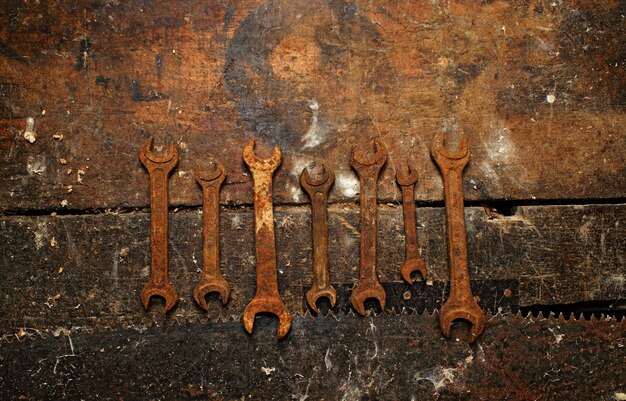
368 167
159 168
267 297
318 188
406 179
211 179
460 303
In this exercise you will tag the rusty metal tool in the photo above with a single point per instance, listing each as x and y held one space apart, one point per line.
267 297
406 179
368 167
159 167
211 179
318 188
460 303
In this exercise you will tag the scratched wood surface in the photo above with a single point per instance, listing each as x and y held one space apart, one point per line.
89 270
538 88
349 358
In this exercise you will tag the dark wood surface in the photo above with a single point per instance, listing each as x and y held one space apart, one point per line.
541 255
352 358
537 87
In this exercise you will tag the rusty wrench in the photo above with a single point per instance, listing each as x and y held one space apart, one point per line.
368 168
318 188
267 297
159 168
460 303
406 179
211 179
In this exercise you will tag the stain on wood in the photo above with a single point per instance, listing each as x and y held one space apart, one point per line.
533 85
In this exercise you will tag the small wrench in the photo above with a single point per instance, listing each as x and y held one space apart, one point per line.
406 179
211 179
368 168
318 192
267 297
159 168
460 303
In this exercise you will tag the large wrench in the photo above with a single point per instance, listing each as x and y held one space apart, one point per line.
267 297
368 168
159 168
211 179
406 179
318 188
460 303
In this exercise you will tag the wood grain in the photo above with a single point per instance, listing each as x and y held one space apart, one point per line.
88 270
537 87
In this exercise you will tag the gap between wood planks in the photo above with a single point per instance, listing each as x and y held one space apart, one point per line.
504 208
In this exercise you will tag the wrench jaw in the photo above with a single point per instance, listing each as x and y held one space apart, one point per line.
153 161
209 285
470 311
406 176
411 266
255 163
322 184
361 161
365 290
446 159
315 293
269 305
213 176
164 290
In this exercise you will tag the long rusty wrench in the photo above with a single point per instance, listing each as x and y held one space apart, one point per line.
406 179
267 297
460 303
159 168
211 179
318 188
368 168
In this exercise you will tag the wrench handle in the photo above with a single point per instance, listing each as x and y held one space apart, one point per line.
457 236
368 198
410 227
159 225
320 240
211 231
265 241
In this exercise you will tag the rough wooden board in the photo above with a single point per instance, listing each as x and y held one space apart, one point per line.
384 357
314 77
543 255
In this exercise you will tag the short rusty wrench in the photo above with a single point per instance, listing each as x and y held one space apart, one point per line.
406 179
318 188
460 303
368 168
211 179
267 297
159 168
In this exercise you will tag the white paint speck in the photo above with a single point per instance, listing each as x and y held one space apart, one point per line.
295 194
29 133
550 98
268 371
36 165
327 361
317 131
347 183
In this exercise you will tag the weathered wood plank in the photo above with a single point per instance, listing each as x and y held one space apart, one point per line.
538 88
540 255
350 358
